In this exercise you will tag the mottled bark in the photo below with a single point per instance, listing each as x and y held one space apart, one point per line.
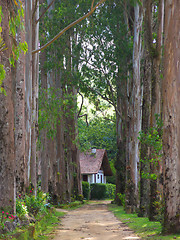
135 124
155 58
7 146
44 161
20 131
171 117
35 85
28 87
60 159
120 163
144 153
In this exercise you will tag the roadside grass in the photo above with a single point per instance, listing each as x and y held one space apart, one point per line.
72 205
45 229
141 225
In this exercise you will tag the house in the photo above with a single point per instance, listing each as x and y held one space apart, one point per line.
95 166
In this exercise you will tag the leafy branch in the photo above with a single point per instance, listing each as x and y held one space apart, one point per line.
69 26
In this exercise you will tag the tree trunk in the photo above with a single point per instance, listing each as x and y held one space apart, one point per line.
171 117
20 131
135 125
144 153
44 162
7 147
28 87
35 86
120 163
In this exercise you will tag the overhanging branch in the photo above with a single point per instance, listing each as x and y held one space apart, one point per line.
45 10
68 27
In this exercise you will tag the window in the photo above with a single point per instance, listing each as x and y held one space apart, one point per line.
85 178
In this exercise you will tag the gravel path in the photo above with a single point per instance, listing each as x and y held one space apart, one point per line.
93 222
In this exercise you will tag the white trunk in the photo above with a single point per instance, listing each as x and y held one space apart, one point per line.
136 92
35 83
20 130
28 85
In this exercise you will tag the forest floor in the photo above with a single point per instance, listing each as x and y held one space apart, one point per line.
92 222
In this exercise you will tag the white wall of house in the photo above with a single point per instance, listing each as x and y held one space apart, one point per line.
97 178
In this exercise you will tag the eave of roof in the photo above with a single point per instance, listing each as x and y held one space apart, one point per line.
91 163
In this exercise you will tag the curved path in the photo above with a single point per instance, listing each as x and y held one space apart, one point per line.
93 222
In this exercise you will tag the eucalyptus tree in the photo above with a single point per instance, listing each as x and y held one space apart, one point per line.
106 62
151 79
12 154
63 68
7 146
171 117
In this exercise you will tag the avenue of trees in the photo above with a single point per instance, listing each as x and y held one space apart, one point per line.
119 53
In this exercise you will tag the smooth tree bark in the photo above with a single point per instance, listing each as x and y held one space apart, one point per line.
44 156
7 145
28 88
154 48
171 117
135 123
19 121
35 86
146 114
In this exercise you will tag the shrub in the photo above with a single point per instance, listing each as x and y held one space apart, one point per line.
36 204
103 191
86 190
121 199
110 190
98 191
21 208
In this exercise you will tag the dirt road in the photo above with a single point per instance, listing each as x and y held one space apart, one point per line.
93 222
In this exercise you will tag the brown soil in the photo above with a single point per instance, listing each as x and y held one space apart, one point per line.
93 222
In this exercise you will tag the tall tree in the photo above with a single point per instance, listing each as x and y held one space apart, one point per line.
135 123
171 117
7 145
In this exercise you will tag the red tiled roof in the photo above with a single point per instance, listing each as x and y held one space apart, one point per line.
91 163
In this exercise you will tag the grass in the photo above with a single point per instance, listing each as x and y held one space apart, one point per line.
48 225
141 225
72 205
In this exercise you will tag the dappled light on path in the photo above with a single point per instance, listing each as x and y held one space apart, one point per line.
93 222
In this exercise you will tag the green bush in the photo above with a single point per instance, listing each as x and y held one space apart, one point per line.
121 199
98 191
110 190
86 190
103 191
36 204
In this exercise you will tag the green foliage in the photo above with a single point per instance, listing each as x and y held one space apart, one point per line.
110 191
106 53
86 190
100 134
152 139
16 21
2 76
21 208
121 199
102 191
49 110
36 204
98 191
71 205
31 204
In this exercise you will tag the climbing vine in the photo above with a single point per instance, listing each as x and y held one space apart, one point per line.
16 21
153 140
